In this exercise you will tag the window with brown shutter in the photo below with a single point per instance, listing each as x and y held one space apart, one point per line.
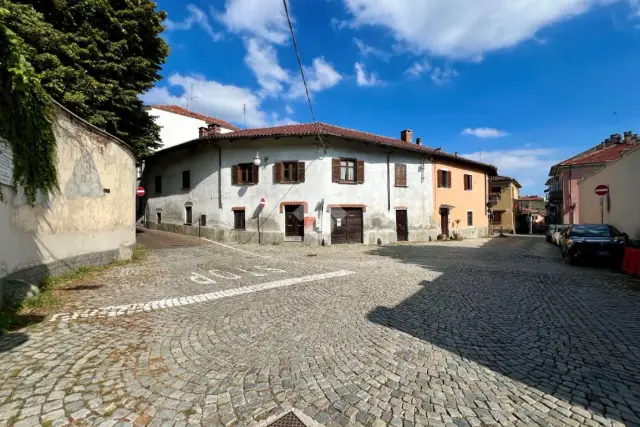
335 170
444 178
290 171
277 177
301 171
468 182
245 173
360 171
401 175
235 175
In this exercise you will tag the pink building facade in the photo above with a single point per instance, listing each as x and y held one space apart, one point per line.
569 178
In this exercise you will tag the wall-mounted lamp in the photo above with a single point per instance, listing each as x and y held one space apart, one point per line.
257 161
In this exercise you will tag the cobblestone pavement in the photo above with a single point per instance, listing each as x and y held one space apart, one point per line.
479 332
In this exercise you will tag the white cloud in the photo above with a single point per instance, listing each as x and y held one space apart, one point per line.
368 50
443 75
366 80
262 58
485 132
288 109
418 68
196 17
264 19
465 28
212 98
320 76
529 166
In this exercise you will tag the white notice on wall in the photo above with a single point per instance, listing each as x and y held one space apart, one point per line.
6 163
338 222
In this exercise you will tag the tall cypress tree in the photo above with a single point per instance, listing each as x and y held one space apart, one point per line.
96 57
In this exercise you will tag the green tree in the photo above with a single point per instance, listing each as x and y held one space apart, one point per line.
96 57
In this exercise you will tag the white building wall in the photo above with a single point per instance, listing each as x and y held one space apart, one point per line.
176 128
379 221
622 206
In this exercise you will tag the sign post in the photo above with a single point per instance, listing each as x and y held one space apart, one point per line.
263 203
602 190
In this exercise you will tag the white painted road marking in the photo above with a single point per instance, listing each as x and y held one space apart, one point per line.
204 280
122 310
235 249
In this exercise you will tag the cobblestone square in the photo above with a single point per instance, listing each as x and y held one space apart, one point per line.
480 332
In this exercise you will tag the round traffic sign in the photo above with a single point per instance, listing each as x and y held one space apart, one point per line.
140 191
602 190
263 202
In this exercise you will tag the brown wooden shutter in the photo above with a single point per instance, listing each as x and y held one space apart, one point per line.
335 170
398 177
235 175
256 174
449 179
439 178
360 171
277 178
301 172
403 175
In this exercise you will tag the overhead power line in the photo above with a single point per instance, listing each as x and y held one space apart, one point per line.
304 80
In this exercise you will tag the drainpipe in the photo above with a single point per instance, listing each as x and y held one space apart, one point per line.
570 199
388 182
219 176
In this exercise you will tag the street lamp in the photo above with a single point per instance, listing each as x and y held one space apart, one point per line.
256 160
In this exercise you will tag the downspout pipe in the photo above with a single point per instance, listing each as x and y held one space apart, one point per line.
219 176
388 181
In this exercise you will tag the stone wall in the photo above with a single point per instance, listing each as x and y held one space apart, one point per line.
89 221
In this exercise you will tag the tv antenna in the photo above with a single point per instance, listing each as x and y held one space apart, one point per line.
189 96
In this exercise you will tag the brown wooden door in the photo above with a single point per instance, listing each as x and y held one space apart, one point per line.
444 221
401 225
346 225
294 221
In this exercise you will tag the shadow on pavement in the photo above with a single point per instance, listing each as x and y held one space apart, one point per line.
12 340
573 336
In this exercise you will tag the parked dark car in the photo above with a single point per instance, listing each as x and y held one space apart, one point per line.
549 234
592 242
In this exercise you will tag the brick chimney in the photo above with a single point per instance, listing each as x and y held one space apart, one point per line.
456 154
214 129
419 141
615 138
406 135
202 132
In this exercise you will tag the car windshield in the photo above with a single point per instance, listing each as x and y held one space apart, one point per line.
591 231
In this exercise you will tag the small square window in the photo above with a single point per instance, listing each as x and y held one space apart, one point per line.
290 171
186 179
238 220
444 179
246 173
159 217
203 220
348 170
470 219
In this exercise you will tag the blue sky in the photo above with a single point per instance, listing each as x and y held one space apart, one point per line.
520 84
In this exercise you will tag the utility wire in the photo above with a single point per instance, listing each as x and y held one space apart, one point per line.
304 80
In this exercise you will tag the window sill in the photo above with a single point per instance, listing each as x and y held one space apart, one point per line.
245 183
289 182
239 229
189 224
346 182
446 188
402 186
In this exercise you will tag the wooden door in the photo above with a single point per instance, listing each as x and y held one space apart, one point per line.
346 225
294 221
444 221
401 225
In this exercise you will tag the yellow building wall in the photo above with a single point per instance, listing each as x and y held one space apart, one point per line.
462 200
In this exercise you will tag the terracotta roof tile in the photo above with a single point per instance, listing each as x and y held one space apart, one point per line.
603 155
310 129
175 109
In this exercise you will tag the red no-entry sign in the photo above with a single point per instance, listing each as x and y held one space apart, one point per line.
263 202
140 191
602 190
